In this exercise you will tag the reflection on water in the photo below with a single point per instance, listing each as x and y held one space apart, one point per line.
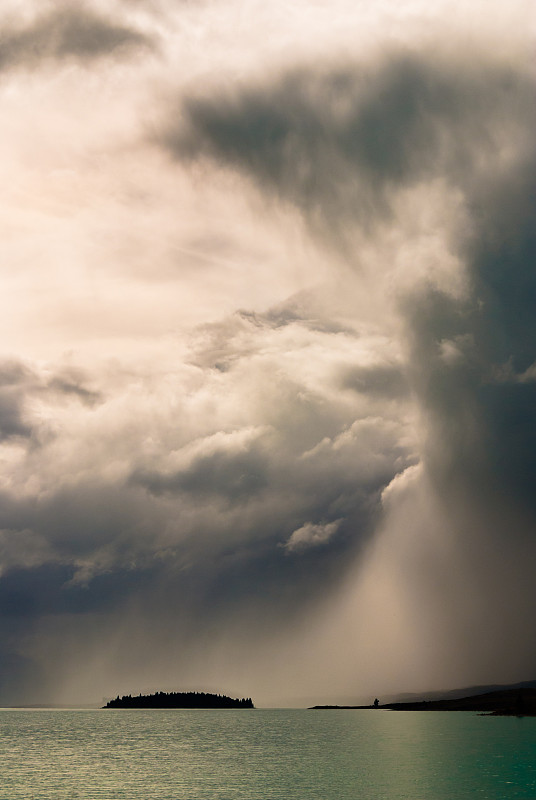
264 755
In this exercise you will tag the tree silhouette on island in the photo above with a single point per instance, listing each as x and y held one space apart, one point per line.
179 700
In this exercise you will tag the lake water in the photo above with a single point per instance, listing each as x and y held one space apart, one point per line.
264 755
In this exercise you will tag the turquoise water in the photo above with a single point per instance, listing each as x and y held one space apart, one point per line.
264 755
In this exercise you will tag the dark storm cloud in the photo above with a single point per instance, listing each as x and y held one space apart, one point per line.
11 416
474 357
252 519
241 490
30 593
338 142
343 146
19 384
201 524
70 32
22 680
236 477
190 566
93 523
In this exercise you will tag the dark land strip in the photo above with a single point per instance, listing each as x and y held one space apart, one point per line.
509 702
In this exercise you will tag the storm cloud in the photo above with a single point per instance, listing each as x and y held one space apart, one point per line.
340 142
267 419
349 148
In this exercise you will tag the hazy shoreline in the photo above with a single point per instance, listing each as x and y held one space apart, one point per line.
509 702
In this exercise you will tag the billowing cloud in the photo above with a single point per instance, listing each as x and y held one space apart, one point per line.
340 143
270 386
360 152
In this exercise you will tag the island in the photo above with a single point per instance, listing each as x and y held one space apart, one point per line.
518 702
179 700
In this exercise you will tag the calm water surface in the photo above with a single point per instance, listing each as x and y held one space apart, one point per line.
264 755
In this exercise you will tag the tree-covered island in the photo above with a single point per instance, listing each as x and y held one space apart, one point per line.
179 700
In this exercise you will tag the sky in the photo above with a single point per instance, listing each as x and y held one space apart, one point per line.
268 362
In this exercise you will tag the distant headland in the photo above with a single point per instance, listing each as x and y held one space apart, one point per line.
179 700
517 702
